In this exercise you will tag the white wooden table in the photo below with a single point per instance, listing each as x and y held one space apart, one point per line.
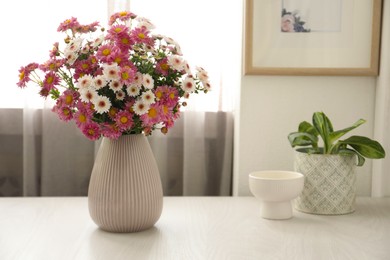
193 228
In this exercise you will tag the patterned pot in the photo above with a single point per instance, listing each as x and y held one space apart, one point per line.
125 191
330 183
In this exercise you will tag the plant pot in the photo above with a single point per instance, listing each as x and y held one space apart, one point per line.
330 183
125 191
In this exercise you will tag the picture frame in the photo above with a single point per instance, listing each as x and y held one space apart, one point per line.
346 43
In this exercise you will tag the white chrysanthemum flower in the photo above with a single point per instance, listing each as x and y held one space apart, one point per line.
115 85
140 107
133 90
71 57
88 94
84 82
74 45
120 95
187 68
147 81
188 85
202 74
98 41
102 104
99 82
176 62
111 72
144 22
206 85
148 97
138 79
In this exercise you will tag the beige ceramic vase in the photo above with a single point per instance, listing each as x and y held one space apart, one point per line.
125 191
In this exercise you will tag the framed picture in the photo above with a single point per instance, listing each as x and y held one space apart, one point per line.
312 37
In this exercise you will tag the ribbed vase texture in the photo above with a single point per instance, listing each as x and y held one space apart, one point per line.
125 191
330 183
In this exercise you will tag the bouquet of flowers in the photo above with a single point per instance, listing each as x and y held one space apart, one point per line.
123 80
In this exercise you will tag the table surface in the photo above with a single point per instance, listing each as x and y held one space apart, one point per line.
193 228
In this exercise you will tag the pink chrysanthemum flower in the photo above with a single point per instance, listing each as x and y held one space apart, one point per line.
65 113
91 130
124 120
81 118
141 35
111 130
124 42
126 75
69 97
68 24
122 16
51 80
54 52
51 65
104 53
152 116
117 31
163 67
24 74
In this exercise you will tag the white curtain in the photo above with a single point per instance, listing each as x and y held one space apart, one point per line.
48 157
381 168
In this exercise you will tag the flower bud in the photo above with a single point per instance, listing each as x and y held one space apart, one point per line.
164 130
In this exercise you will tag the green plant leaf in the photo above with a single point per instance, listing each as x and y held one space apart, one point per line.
324 127
365 146
306 127
337 134
302 139
361 159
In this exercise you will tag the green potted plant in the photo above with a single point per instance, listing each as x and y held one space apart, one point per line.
329 167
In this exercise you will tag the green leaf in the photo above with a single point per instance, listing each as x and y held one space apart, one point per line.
337 134
365 146
306 127
302 139
324 127
361 159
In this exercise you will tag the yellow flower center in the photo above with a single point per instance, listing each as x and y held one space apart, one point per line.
118 30
124 13
125 75
50 79
66 111
82 118
106 52
124 120
172 95
118 60
164 66
141 36
21 75
158 94
125 41
91 132
68 99
85 66
152 113
112 111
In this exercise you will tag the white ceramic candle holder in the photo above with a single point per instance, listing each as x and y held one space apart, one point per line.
275 190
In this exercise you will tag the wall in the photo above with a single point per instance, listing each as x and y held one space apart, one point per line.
270 107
